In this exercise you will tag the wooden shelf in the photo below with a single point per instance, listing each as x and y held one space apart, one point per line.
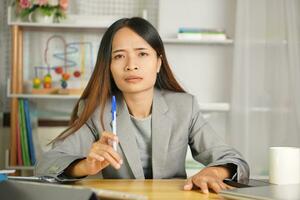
208 107
38 96
7 166
72 21
204 42
214 107
43 96
20 167
61 25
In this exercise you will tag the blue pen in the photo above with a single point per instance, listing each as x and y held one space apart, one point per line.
114 119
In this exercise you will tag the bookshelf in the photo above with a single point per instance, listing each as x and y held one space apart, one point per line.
15 83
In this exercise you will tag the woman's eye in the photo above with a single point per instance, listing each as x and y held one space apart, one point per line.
116 57
142 54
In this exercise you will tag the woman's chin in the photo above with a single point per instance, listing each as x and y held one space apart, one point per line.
136 90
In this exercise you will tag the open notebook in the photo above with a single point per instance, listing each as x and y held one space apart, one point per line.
247 183
271 192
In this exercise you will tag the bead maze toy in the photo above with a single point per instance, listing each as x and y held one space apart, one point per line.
56 79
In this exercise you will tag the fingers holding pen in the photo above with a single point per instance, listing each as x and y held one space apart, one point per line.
110 155
94 157
103 150
100 156
106 143
108 138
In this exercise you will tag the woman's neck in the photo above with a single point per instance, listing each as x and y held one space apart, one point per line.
139 104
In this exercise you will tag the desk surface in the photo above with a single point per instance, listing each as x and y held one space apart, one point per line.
153 189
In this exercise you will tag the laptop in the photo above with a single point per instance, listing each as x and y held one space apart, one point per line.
271 192
32 189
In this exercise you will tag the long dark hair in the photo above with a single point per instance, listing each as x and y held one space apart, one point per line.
101 84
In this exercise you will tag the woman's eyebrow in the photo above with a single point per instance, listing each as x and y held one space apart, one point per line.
118 50
140 48
136 49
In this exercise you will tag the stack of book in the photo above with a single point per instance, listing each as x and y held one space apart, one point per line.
201 34
25 147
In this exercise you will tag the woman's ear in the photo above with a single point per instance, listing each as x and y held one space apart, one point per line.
159 62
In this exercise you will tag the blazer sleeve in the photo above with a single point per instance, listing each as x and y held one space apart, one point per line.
74 147
209 149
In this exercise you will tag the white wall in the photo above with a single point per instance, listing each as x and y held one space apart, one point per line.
203 70
195 13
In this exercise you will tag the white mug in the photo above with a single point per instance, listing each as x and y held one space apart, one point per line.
284 165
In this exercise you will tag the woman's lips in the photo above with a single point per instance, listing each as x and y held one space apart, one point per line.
133 79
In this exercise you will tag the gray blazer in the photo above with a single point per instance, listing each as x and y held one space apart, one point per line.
176 123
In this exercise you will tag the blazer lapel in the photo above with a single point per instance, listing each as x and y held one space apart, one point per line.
161 132
127 138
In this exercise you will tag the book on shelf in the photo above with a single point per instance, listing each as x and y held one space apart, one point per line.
25 146
19 150
201 34
24 143
29 131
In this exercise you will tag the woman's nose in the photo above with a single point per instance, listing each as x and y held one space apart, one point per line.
131 65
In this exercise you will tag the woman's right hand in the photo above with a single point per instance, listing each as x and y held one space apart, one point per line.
100 156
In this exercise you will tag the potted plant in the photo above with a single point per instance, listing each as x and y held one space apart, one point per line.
42 11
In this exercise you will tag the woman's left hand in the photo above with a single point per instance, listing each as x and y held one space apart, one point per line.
209 178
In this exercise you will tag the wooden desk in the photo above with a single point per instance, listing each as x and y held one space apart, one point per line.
153 189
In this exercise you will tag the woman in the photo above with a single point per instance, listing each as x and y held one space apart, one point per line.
156 120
